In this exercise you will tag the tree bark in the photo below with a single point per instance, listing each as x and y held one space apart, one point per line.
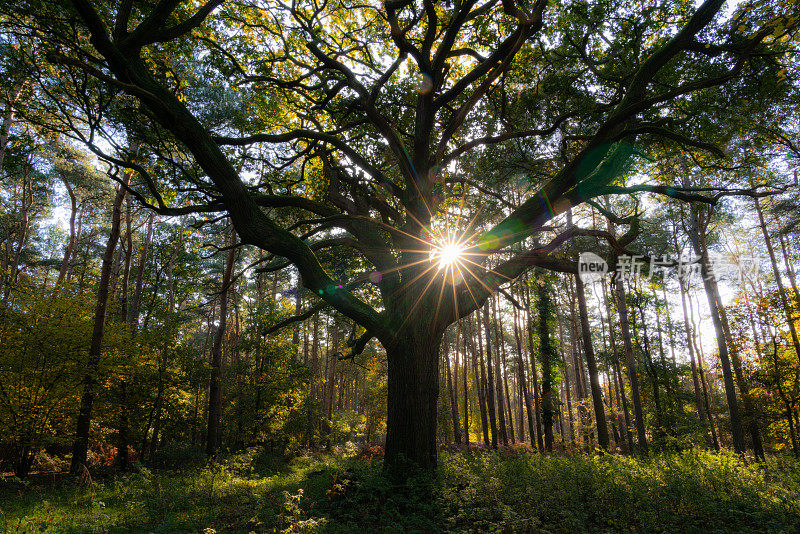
523 382
580 383
698 393
591 363
452 394
498 379
567 389
70 248
712 297
617 372
651 371
80 445
165 349
213 434
490 387
413 390
464 377
630 362
504 400
124 423
776 272
480 380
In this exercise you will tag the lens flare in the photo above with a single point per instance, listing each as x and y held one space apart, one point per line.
448 254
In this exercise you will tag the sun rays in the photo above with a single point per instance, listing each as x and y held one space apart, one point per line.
455 261
448 254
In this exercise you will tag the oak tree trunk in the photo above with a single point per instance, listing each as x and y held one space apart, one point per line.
413 391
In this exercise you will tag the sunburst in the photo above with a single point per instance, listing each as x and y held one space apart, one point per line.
448 253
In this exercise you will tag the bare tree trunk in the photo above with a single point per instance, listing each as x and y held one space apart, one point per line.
503 401
591 362
651 371
70 248
523 382
165 348
705 418
413 380
580 383
698 350
480 380
781 290
122 438
630 362
490 386
534 374
452 393
567 389
464 377
80 445
620 384
215 390
298 308
670 400
713 304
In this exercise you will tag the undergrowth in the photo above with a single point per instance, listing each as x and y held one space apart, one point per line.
692 491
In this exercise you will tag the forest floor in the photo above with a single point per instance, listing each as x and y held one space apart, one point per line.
692 491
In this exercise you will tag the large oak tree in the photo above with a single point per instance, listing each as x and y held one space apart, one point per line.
367 117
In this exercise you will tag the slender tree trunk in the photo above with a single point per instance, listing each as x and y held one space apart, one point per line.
80 445
534 374
567 389
751 414
165 349
122 438
620 384
452 394
778 280
298 309
312 388
464 377
213 434
506 424
591 362
711 295
480 379
698 350
651 371
580 383
630 363
663 362
490 386
523 383
69 250
698 394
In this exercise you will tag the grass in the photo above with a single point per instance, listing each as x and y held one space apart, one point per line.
693 491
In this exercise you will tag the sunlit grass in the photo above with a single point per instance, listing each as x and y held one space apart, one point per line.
693 491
